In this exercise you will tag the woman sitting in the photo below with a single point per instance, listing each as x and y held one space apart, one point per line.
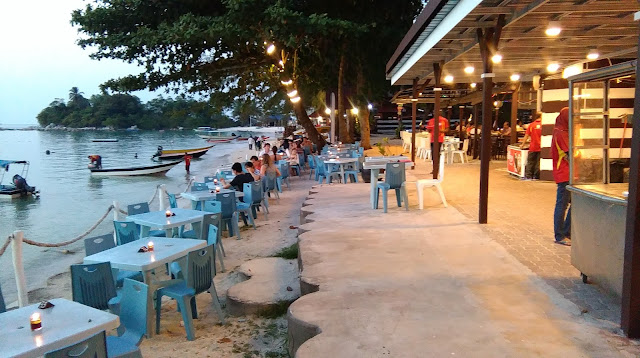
293 159
268 166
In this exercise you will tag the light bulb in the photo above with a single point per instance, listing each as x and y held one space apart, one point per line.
295 99
553 67
515 77
497 58
593 54
292 93
553 29
287 83
370 106
469 69
448 79
327 111
271 49
354 111
473 85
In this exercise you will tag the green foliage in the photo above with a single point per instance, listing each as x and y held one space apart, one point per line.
124 110
399 129
289 253
383 146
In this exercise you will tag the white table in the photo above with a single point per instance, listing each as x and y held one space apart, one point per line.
158 219
341 162
202 196
127 257
375 166
66 323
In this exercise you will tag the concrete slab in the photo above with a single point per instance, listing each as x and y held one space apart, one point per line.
425 283
270 283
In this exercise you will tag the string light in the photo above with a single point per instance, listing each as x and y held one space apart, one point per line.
354 111
448 79
473 85
515 77
370 106
327 111
553 67
497 58
469 69
287 83
271 49
593 54
292 94
295 99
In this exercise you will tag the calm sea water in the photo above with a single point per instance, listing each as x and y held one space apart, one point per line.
71 200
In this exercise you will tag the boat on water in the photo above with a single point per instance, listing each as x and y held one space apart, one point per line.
239 133
158 169
18 186
133 128
163 154
104 140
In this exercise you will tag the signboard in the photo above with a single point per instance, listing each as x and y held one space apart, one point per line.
516 160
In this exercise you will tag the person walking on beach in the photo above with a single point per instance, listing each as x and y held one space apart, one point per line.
534 131
187 161
560 156
251 142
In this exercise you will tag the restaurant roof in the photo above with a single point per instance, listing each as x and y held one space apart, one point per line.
446 31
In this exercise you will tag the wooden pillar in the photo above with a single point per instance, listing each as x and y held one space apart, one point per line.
476 125
435 152
414 114
488 42
514 113
461 115
630 310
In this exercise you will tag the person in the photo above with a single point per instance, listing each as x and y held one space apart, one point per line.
560 156
255 173
265 149
96 161
506 129
274 154
187 161
519 126
534 132
257 164
268 167
258 143
251 142
240 178
443 127
293 158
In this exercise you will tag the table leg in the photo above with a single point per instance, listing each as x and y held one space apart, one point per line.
344 178
151 313
144 231
169 233
374 183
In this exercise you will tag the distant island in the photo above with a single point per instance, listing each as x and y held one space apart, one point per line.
121 111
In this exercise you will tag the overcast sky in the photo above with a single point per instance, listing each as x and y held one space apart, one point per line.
39 60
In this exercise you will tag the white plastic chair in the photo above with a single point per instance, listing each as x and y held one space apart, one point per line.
426 183
462 153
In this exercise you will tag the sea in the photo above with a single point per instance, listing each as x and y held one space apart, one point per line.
71 200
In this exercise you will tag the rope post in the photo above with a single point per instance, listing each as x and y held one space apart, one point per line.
162 197
18 268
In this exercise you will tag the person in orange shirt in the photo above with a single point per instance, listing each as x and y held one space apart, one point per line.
534 131
187 161
444 127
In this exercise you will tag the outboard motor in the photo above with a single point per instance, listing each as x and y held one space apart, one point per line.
159 152
21 184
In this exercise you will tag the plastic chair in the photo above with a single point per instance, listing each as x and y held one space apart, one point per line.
462 153
212 206
209 179
284 175
394 179
173 201
312 165
254 196
126 231
351 171
199 278
3 307
270 182
94 346
93 286
321 172
141 208
229 213
426 183
331 171
133 320
96 244
199 186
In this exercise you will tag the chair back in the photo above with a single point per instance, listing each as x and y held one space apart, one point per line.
228 204
200 269
269 181
209 220
173 201
344 155
126 231
441 169
252 192
93 245
196 186
394 175
212 206
284 169
209 179
133 310
3 307
139 208
92 347
93 284
212 235
320 166
311 159
465 145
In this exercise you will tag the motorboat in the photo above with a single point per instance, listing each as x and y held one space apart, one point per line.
104 140
18 186
179 153
158 169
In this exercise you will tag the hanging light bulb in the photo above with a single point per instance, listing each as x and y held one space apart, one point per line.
497 58
553 29
515 77
287 83
473 85
327 111
448 79
469 70
354 111
553 67
292 94
370 106
593 54
271 49
295 99
281 63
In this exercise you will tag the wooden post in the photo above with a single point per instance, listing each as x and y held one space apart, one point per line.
18 268
476 125
514 114
488 42
414 114
630 310
435 151
461 115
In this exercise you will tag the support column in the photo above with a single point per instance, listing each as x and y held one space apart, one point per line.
514 113
414 114
461 115
476 125
435 153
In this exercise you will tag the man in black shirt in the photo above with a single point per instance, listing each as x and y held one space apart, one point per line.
238 182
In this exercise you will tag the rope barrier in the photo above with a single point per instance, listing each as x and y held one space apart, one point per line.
6 244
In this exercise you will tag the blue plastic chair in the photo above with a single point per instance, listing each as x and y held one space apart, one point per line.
284 175
199 275
321 173
270 184
394 179
229 213
126 232
133 320
211 223
96 244
212 206
141 208
3 307
254 196
94 346
209 179
312 166
244 209
196 186
173 201
93 286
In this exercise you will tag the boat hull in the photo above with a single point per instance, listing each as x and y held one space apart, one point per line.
179 153
160 169
11 192
105 140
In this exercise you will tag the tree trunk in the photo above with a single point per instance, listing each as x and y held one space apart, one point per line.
352 125
365 129
306 123
341 120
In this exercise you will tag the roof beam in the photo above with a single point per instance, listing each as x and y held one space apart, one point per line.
597 7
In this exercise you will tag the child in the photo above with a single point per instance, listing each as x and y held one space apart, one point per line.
187 161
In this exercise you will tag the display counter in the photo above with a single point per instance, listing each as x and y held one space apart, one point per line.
517 160
598 217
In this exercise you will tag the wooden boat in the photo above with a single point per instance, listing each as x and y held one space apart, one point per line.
158 169
104 140
213 140
179 153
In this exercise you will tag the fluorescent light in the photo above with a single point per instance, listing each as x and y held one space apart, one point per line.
553 67
497 58
515 77
448 79
295 100
271 49
473 85
469 69
292 93
593 54
553 29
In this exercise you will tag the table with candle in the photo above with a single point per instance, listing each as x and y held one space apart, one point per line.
160 220
127 257
65 323
202 196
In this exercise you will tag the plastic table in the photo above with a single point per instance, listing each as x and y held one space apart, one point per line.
202 196
159 220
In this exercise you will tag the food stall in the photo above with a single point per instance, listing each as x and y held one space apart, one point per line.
598 127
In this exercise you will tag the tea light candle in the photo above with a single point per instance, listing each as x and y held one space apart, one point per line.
36 321
215 181
167 213
150 245
217 189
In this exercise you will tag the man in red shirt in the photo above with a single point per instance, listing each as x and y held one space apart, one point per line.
444 127
187 161
560 156
534 131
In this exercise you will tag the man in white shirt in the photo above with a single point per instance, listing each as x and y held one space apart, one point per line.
251 142
266 148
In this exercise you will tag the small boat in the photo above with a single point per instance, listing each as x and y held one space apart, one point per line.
18 186
133 128
104 140
179 153
158 169
211 140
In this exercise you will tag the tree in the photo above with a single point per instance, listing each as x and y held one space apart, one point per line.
77 100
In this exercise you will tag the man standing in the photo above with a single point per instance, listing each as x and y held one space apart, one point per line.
534 131
187 161
251 142
444 127
560 156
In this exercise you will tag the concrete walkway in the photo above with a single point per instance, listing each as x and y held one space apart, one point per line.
426 283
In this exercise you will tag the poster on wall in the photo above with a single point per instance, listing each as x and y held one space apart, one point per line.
516 160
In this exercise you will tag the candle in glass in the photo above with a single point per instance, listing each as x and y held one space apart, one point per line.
36 321
167 213
150 245
217 189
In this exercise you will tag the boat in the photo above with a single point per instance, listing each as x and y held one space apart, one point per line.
18 186
133 128
179 153
215 134
219 140
158 169
104 140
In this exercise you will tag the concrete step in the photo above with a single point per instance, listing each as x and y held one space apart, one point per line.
271 284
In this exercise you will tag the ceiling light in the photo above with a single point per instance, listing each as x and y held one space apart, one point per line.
469 69
593 54
515 77
572 71
553 29
497 58
327 111
553 67
287 83
271 49
295 100
448 79
292 93
354 111
473 85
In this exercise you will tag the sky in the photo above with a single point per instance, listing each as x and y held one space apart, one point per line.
40 61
